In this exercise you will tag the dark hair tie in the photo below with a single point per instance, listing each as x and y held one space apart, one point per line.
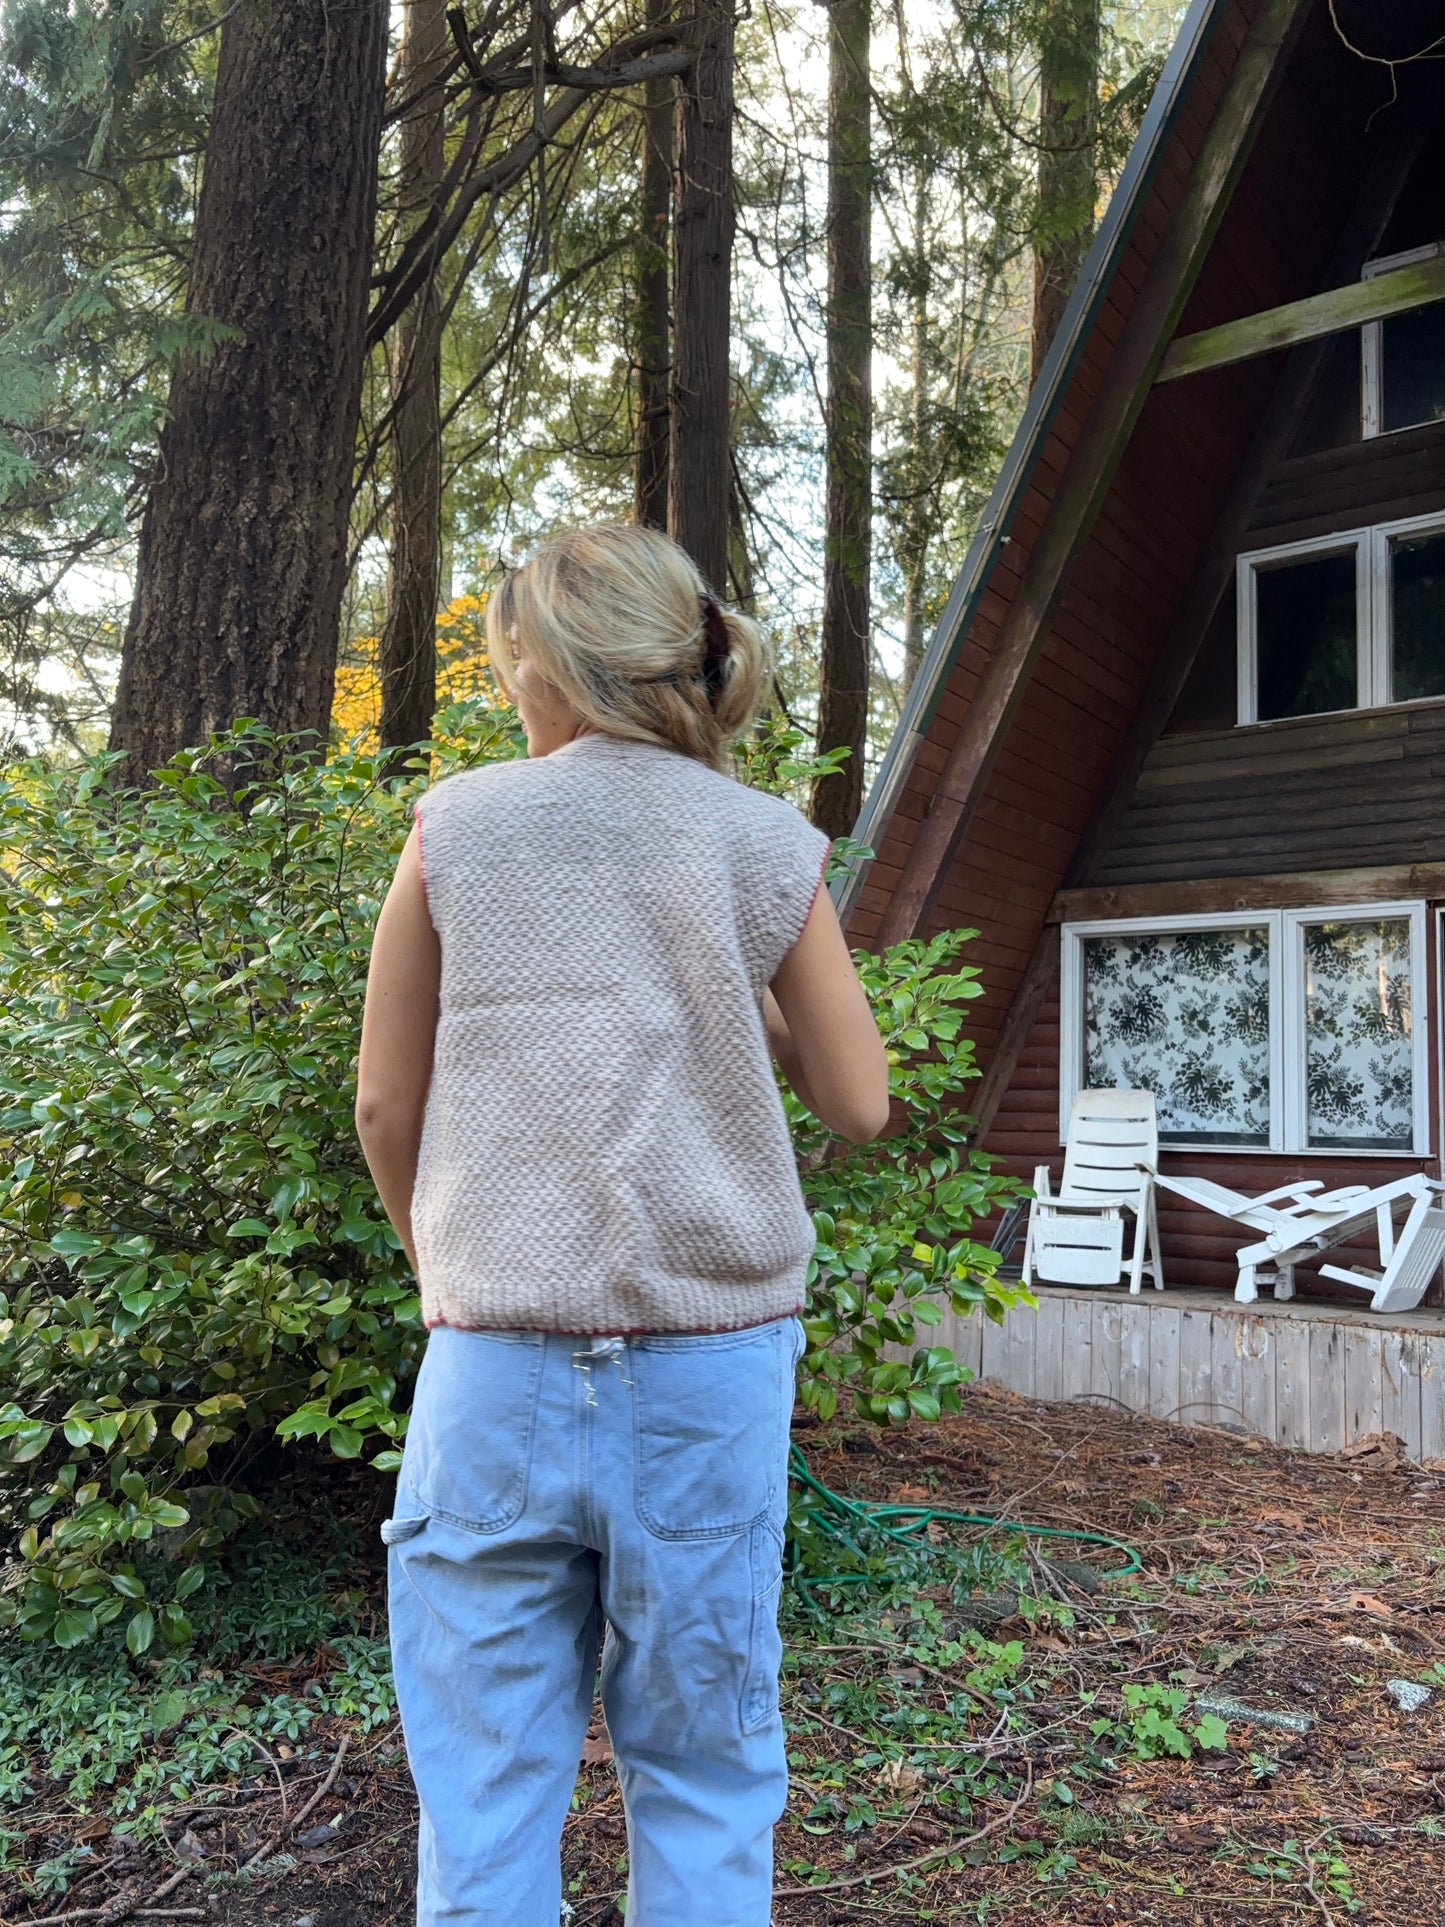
716 650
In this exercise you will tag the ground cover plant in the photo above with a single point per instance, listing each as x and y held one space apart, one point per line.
193 1262
1006 1740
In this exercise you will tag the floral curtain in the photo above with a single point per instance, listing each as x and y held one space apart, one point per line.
1358 1054
1186 1015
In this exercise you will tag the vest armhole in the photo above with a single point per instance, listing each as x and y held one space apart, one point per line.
416 817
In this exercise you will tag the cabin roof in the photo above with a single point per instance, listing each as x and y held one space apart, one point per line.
1287 159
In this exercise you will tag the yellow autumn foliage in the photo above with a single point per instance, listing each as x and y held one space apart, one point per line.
463 671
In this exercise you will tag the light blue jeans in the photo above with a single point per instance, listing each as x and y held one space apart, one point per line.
551 1485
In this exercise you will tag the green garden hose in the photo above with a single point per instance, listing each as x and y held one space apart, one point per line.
907 1525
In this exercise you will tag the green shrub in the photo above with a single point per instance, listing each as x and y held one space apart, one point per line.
193 1262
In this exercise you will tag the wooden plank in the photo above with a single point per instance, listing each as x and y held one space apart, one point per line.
1432 1397
1196 1405
1292 1383
1028 999
1296 889
1049 1347
1165 1324
1078 1355
1397 291
1226 1370
1364 1386
964 1338
994 1353
1106 1341
1075 505
1016 1368
1400 1359
1258 1399
1134 1349
1327 1388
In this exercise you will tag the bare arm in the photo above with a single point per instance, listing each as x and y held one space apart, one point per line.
822 1030
398 1033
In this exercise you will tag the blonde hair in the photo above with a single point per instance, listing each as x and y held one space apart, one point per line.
617 619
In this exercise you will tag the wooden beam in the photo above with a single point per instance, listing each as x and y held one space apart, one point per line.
1132 367
1399 291
1379 190
1291 890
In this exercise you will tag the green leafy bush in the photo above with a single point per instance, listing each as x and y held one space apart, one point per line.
193 1262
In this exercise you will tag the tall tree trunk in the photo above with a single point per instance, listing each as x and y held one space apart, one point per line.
1068 184
848 425
242 558
702 248
650 452
913 546
408 636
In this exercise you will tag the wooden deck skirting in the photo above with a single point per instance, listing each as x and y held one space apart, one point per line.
1311 1375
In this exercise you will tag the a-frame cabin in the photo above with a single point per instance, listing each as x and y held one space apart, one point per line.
1177 749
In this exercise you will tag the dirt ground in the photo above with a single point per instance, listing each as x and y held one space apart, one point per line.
1295 1586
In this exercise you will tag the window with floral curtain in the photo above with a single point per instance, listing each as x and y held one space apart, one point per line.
1184 1014
1359 1052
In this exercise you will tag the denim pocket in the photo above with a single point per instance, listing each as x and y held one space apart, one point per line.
469 1442
765 1644
394 1531
707 1415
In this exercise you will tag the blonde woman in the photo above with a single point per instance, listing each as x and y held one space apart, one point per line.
567 1102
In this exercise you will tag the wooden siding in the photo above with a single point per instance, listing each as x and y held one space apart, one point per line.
1327 793
1312 1377
1363 787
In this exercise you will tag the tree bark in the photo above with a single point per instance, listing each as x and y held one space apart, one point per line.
408 636
848 422
653 348
913 546
242 556
702 247
1068 184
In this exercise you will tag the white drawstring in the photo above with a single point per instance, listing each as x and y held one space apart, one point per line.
600 1347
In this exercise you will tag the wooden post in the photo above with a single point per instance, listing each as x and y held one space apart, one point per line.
1167 286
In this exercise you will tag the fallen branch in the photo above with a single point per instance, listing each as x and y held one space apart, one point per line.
268 1847
923 1859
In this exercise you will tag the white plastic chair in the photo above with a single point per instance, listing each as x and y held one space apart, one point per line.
1298 1220
1076 1234
1410 1261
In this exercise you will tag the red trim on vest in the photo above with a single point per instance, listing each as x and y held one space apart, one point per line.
420 855
650 1331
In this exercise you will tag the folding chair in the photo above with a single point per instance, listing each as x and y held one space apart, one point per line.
1076 1235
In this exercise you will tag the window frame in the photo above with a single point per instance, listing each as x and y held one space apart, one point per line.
1372 343
1374 614
1288 1106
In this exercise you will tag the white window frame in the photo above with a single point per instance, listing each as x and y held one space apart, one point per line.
1288 1105
1381 642
1373 610
1372 343
1247 604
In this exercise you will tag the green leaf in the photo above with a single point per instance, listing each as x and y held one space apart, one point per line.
140 1631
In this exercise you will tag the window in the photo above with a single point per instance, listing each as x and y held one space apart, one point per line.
1285 1030
1343 621
1403 358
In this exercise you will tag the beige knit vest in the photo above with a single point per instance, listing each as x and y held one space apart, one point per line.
605 1148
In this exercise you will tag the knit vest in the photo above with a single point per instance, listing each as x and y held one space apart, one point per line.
604 1147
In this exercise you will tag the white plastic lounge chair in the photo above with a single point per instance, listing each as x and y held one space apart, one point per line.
1298 1220
1410 1261
1076 1234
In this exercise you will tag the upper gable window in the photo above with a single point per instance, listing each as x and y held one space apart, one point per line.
1403 358
1354 620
